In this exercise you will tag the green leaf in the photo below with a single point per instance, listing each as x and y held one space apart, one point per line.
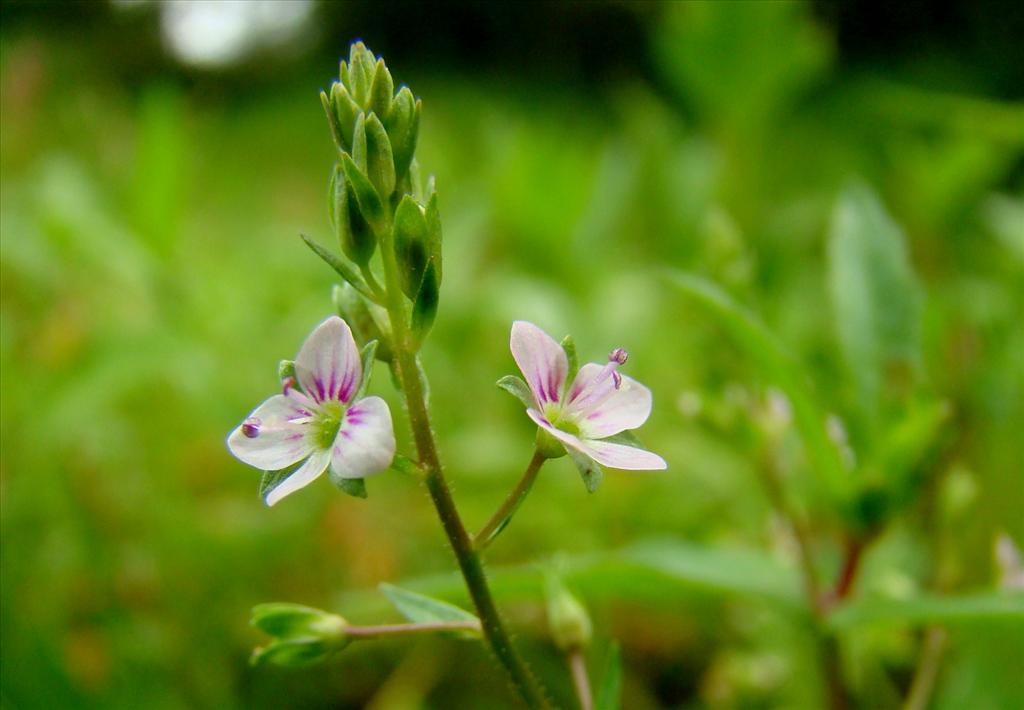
366 356
518 389
569 346
424 308
421 609
780 368
590 470
1002 607
340 266
875 296
609 693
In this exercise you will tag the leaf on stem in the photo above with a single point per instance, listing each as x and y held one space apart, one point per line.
609 693
1001 607
780 368
340 266
421 609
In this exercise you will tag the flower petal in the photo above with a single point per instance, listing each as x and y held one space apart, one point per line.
303 476
366 440
624 408
280 437
628 458
328 364
541 360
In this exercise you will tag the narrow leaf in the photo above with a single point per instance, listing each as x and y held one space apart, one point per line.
1005 608
609 693
779 368
340 266
421 609
875 295
518 389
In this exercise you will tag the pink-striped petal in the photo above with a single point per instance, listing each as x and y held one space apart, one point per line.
274 435
542 361
308 472
327 365
624 408
366 440
605 453
628 458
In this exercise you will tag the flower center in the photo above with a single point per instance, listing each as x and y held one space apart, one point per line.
327 422
558 418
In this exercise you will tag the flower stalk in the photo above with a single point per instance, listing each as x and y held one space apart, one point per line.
503 515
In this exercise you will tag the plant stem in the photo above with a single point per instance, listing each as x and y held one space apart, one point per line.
927 670
580 680
504 514
462 545
828 649
392 629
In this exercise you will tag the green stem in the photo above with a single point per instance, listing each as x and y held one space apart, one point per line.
394 629
462 545
504 514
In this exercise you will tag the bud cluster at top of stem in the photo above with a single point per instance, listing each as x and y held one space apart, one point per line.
375 196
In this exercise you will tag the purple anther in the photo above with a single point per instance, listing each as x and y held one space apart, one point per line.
618 355
251 427
617 379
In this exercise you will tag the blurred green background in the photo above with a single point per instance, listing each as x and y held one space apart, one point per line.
158 162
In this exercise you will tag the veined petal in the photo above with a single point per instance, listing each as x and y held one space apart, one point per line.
624 408
593 385
605 453
541 360
621 456
366 440
328 364
303 476
279 425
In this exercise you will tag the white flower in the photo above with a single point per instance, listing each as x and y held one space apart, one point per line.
598 404
320 426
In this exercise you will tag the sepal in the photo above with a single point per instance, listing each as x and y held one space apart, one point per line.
380 165
590 471
403 125
381 90
424 308
367 320
516 387
346 111
368 201
301 635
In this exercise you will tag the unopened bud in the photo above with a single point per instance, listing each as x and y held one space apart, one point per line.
403 124
568 619
301 635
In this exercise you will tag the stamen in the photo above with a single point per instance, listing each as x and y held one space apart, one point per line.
617 379
287 384
618 355
251 427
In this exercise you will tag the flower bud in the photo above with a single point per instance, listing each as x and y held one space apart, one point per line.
361 66
356 238
381 90
568 619
301 635
410 239
345 112
403 124
366 200
367 320
380 166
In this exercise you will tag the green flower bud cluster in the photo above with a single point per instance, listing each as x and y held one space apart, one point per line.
375 196
301 635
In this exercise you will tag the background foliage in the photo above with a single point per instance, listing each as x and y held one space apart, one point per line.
854 179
